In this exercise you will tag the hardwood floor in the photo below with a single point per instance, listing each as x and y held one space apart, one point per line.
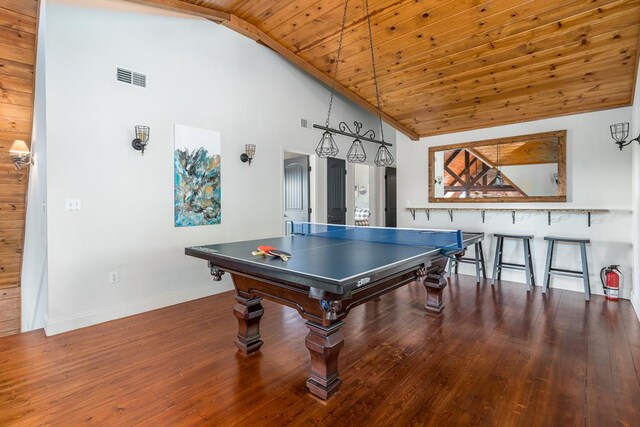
495 357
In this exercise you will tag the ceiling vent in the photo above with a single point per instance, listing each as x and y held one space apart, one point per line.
131 77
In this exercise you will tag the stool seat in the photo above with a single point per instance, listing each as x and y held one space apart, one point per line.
567 239
512 236
550 269
527 267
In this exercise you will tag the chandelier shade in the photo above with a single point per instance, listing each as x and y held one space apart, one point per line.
383 156
356 153
327 146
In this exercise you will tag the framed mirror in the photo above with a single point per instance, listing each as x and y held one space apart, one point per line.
527 168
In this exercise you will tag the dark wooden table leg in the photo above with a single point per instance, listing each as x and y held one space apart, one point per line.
434 282
248 311
324 344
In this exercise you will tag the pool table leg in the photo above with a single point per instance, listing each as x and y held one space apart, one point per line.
434 282
324 344
248 311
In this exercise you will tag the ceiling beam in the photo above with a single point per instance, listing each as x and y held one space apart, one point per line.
188 8
249 30
254 33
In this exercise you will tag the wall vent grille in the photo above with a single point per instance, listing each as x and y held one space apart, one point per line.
131 77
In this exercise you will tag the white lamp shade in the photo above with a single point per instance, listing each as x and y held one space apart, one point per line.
19 147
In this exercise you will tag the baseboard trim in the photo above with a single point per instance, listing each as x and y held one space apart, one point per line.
635 303
89 318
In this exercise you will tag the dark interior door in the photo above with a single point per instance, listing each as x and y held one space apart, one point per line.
296 189
336 196
390 207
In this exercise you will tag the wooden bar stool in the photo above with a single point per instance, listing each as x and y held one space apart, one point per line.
478 260
498 264
550 269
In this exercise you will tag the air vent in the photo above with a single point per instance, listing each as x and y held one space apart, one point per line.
304 123
131 77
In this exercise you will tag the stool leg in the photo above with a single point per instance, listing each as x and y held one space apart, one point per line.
484 270
531 269
496 261
585 272
527 264
477 255
547 269
500 258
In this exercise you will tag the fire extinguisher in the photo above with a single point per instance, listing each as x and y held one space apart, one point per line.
611 278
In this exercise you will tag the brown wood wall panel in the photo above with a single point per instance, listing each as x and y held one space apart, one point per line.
482 63
18 29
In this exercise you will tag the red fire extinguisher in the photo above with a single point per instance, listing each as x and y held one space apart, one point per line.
611 278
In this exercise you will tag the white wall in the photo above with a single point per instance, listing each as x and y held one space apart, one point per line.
634 133
34 267
534 180
598 176
199 74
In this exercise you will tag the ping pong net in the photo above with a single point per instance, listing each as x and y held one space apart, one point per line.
447 240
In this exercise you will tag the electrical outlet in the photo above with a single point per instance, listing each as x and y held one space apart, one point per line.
114 277
73 204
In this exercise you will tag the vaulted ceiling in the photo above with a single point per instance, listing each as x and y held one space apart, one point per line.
452 65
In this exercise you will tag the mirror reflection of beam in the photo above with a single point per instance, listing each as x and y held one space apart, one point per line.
469 182
494 166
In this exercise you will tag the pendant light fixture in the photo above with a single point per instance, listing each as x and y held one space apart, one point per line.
327 146
356 153
499 177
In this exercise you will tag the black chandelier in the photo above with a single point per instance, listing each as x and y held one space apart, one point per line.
327 146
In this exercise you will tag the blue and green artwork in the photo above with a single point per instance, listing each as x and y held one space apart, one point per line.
196 177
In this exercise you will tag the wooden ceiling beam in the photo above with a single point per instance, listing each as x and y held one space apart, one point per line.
188 8
541 109
450 65
576 79
253 32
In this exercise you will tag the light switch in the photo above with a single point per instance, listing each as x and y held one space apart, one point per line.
73 204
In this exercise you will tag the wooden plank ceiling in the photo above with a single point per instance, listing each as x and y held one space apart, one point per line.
451 65
18 28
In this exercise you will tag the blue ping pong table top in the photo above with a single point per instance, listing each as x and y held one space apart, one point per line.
337 257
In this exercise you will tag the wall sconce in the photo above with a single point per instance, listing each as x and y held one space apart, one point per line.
620 132
20 154
249 152
142 138
438 180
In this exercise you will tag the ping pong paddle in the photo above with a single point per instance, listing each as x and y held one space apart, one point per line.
270 250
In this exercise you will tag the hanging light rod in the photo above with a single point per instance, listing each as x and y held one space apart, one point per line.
327 146
343 129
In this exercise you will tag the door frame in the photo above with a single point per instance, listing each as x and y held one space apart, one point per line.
313 180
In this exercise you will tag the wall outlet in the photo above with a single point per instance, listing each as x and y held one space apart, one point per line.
114 277
73 204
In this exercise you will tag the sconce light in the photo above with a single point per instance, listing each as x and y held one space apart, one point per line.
20 154
620 132
437 180
142 138
249 152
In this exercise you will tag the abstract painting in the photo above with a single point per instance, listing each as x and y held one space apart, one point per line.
196 162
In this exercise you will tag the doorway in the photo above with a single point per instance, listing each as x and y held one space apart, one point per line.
297 200
364 199
390 207
336 195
